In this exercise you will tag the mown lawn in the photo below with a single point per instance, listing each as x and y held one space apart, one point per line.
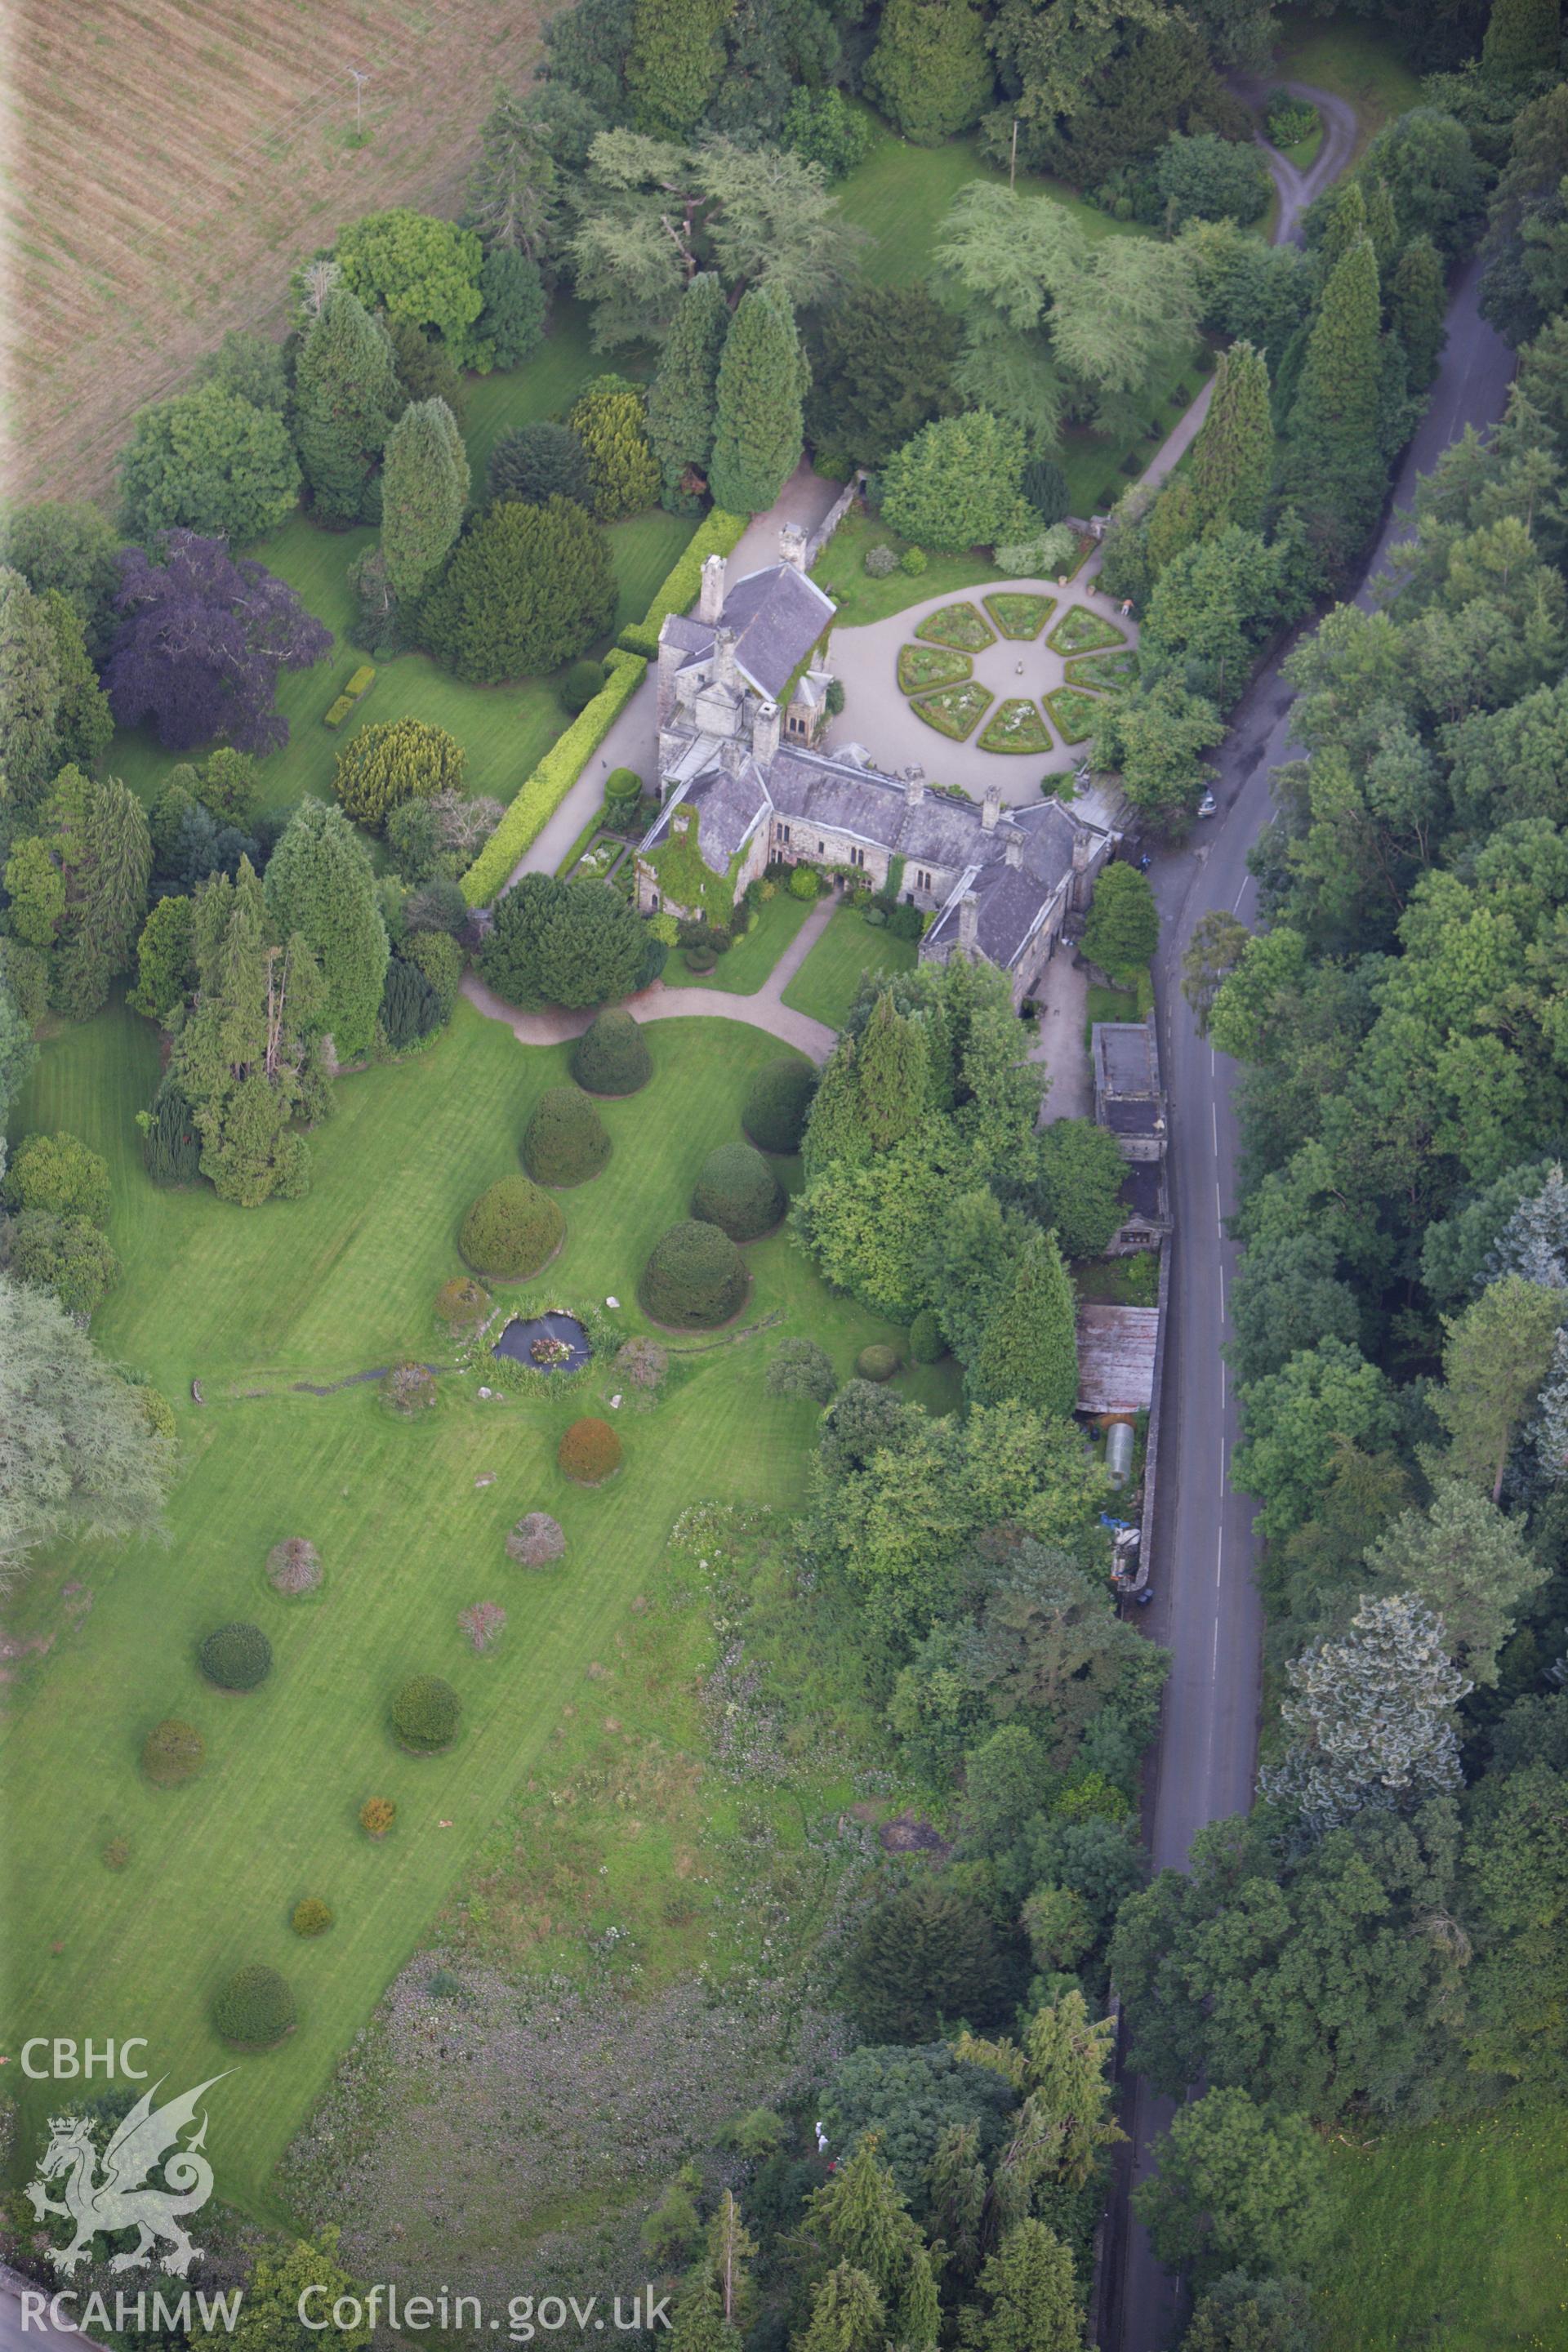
742 971
504 730
334 1283
841 570
826 985
1453 2237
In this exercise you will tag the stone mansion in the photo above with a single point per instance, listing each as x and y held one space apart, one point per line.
742 708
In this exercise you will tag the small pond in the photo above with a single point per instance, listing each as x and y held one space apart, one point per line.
548 1334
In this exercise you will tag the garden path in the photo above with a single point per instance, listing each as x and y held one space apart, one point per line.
878 714
765 1010
632 741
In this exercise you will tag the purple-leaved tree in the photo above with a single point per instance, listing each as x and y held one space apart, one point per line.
202 637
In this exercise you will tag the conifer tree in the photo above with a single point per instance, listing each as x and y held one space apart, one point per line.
758 425
868 2226
682 398
320 883
674 62
424 489
1381 225
730 2246
1334 462
1521 39
847 2315
1031 2297
699 2323
834 1130
1417 309
1172 524
1029 1351
1347 226
892 1077
1233 457
345 396
100 838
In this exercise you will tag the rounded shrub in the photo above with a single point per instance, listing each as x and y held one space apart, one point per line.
623 784
582 682
510 1230
376 1816
537 1540
173 1751
462 1304
407 1389
927 1345
700 961
881 562
876 1363
611 1056
424 1714
589 1453
294 1567
695 1278
738 1192
311 1917
802 882
777 1102
565 1141
254 2009
913 562
236 1657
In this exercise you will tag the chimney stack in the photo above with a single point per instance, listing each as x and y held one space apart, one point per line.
731 753
710 598
969 923
1014 851
765 732
991 809
724 657
914 787
792 546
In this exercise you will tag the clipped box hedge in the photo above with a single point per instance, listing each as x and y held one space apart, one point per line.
717 534
548 786
339 711
358 686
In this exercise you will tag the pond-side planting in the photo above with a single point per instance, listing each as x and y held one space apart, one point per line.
962 626
921 666
1017 614
1015 726
1077 714
1080 631
955 711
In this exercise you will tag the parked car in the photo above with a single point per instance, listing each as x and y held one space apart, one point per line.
1207 806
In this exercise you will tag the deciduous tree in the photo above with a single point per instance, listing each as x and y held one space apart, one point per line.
416 267
1493 1364
1235 2187
929 72
202 637
208 461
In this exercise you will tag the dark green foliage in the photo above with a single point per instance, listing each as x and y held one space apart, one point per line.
66 1255
236 1657
911 2097
695 1278
1123 927
800 1367
1334 461
610 1058
208 462
758 423
346 394
320 883
565 1141
426 1714
1028 1350
926 1957
527 588
170 1144
424 369
1045 486
881 366
97 831
410 1008
1287 1298
254 2009
173 1751
929 72
957 484
876 1363
777 1102
563 943
1239 2314
1434 180
536 463
1233 457
1522 38
586 47
681 401
511 1230
582 682
823 127
512 320
424 489
1208 179
1237 2188
1417 307
610 419
927 1345
52 711
738 1192
1077 1185
674 62
70 545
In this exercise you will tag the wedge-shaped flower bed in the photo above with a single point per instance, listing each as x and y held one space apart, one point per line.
955 711
921 666
1015 726
962 626
1080 631
1077 714
1018 615
1105 673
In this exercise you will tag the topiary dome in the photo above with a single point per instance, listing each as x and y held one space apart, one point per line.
738 1192
876 1363
236 1657
695 1278
778 1101
565 1141
511 1230
254 2009
589 1453
611 1056
426 1714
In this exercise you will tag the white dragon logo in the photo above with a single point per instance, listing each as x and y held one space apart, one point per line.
124 2199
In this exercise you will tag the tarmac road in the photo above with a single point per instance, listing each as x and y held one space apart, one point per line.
1206 1609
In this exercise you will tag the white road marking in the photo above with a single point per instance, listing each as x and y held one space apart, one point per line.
1222 1313
1219 1555
1218 1211
1236 902
1214 1654
1214 1121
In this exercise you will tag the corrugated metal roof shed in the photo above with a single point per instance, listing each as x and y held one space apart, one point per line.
1116 1358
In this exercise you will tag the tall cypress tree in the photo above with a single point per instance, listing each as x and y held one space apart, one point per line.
424 489
1382 225
1233 457
1335 462
345 396
682 398
759 429
1347 226
321 885
1029 1349
892 1074
1417 309
100 837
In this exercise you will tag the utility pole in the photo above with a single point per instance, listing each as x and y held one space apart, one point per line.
1013 159
360 80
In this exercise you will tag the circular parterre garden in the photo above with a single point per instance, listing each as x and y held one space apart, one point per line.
936 671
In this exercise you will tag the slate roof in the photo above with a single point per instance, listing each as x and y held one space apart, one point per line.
1126 1058
777 615
729 804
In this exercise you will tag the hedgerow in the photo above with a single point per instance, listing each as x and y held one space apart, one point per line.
548 786
718 534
